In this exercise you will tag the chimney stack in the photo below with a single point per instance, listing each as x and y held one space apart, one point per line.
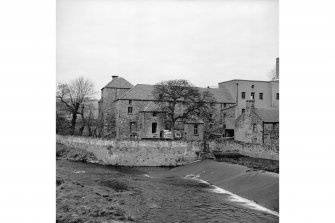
250 105
114 76
277 68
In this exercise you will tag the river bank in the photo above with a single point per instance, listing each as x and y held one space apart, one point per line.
96 193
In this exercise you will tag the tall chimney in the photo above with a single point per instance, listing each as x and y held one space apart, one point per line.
277 68
250 105
114 76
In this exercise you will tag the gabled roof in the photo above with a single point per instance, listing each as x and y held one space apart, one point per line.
151 107
268 114
144 92
118 82
193 120
139 92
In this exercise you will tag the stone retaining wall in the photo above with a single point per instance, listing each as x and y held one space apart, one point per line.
246 149
136 153
161 153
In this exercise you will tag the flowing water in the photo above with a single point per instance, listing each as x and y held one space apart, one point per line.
176 199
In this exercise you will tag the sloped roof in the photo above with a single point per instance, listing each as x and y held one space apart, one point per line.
144 92
152 106
194 120
139 92
268 114
119 82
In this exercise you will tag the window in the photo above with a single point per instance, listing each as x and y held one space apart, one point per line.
252 95
254 127
243 95
154 127
260 96
210 125
277 96
130 110
224 105
154 114
196 129
130 102
252 86
243 110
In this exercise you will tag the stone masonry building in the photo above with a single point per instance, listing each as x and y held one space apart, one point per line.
129 111
258 125
264 93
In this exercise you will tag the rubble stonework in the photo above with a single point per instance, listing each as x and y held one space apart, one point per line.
121 123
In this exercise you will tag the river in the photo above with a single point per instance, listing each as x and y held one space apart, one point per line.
161 199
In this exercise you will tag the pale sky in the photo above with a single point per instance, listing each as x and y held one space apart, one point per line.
147 41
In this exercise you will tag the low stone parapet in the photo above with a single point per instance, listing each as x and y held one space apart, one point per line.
136 153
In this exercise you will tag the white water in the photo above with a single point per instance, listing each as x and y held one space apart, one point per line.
233 197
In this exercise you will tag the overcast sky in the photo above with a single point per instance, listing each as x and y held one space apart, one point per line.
147 41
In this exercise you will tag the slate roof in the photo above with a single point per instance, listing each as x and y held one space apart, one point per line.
194 120
139 92
119 82
144 92
152 106
268 114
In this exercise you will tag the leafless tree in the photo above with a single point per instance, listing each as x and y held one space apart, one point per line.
180 100
74 95
89 120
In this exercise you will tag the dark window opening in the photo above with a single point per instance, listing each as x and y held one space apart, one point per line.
260 96
196 132
243 95
154 127
252 95
210 125
277 96
224 105
252 86
154 114
130 102
130 110
243 110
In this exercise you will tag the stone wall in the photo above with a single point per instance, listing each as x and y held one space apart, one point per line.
189 131
249 128
146 120
247 149
271 134
136 153
123 119
107 109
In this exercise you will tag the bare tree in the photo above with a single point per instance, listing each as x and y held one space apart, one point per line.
74 95
90 120
180 100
